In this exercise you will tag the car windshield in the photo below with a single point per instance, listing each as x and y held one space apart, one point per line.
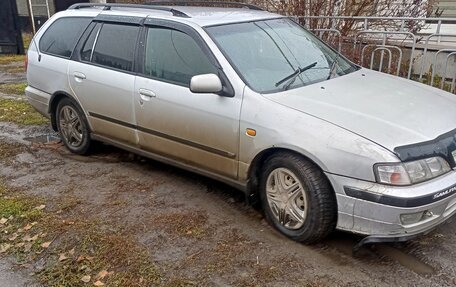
275 55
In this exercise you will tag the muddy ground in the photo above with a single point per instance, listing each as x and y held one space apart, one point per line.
196 231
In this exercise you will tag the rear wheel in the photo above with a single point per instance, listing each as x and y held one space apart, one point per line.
297 198
72 126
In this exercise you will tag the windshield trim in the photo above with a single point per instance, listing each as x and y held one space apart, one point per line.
275 90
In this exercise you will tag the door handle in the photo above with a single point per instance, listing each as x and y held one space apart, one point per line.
146 95
79 76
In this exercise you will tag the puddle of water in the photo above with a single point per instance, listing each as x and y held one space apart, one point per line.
405 260
43 139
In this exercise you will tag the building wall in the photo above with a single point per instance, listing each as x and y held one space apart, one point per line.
40 13
22 7
448 7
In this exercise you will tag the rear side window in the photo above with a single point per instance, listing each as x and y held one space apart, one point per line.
174 56
115 46
61 37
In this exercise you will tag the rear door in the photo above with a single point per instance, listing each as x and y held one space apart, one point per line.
197 129
102 78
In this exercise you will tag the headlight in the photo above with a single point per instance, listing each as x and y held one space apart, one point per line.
410 172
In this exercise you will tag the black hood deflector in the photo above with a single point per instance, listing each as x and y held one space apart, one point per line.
441 146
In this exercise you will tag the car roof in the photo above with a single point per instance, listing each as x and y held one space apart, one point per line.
201 16
207 16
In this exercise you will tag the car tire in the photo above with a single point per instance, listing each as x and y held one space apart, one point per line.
297 198
72 126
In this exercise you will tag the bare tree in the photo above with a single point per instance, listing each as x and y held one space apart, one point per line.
384 8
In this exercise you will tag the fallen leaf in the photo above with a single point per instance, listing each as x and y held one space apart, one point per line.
28 247
30 239
82 258
20 244
40 207
46 244
86 279
98 283
102 274
3 220
13 237
4 247
71 252
62 257
28 227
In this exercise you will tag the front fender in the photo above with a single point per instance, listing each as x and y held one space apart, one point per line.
334 149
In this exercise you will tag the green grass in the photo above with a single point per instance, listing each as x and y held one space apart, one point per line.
8 59
11 58
96 250
27 38
16 89
20 112
9 150
89 248
18 208
11 207
14 69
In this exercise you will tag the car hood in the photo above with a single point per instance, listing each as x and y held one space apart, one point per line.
385 109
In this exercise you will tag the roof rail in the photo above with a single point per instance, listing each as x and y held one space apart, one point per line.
203 3
108 6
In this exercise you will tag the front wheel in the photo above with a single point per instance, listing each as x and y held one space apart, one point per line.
297 198
72 126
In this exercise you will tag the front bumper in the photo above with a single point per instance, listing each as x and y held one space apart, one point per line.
379 211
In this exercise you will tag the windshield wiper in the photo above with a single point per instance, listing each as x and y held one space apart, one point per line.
335 63
292 77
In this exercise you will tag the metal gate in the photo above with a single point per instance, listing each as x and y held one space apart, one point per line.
10 32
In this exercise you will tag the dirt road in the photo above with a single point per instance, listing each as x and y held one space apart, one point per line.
193 230
202 231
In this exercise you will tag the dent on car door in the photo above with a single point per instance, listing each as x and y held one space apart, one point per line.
103 79
198 129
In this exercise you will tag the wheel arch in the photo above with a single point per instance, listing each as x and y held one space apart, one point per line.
54 102
254 171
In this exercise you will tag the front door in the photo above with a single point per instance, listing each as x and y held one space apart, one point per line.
201 130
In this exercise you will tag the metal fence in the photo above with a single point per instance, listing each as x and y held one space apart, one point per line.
422 49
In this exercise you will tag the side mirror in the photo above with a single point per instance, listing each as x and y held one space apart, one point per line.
206 83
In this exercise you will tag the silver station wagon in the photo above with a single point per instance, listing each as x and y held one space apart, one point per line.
253 99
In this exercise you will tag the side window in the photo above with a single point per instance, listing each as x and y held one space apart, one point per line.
61 37
86 52
174 56
115 46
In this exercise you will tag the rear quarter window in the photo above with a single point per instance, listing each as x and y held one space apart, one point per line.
61 37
